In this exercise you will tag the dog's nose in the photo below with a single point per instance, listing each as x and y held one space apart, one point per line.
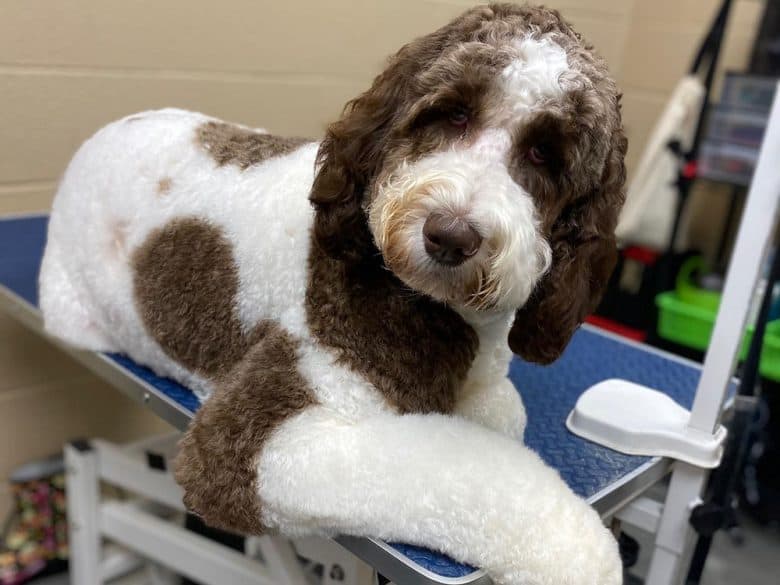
449 239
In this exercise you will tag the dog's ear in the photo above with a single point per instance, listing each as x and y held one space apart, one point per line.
349 158
584 255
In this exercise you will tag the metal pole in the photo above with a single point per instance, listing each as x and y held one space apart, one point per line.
83 497
711 47
717 512
673 541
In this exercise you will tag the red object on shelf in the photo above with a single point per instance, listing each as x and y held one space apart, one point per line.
690 170
617 328
641 254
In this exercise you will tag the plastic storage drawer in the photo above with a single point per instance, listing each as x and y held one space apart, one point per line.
749 91
736 126
731 163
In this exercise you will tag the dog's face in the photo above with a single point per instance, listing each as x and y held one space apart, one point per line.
486 165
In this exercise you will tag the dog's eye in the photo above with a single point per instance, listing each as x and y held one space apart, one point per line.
458 118
537 155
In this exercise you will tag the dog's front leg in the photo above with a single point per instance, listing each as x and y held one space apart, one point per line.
436 481
495 405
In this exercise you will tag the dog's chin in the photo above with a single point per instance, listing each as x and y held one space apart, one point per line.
444 284
466 286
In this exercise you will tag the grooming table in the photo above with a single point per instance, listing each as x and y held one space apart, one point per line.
607 479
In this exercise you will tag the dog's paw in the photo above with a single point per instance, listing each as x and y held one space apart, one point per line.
594 557
572 547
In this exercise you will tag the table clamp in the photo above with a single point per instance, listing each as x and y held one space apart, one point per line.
638 420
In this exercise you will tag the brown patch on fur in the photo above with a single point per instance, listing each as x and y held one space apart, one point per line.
231 144
164 185
185 285
403 117
414 350
584 255
216 464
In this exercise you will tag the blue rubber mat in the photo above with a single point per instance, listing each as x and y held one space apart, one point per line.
21 250
549 392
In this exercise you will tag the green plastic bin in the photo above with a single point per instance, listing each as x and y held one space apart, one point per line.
691 325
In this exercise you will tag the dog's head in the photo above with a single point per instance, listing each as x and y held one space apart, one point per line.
486 165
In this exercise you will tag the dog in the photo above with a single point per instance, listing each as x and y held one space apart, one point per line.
347 310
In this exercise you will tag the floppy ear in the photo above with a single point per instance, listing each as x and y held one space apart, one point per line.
584 255
349 158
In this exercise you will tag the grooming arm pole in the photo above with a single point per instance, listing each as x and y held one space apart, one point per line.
675 536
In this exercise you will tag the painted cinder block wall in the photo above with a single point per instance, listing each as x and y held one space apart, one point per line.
66 68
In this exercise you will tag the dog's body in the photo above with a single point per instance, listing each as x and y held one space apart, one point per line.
102 245
353 355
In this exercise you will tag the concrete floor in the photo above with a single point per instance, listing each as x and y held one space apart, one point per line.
134 579
755 562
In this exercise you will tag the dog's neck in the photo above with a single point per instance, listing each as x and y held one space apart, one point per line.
414 350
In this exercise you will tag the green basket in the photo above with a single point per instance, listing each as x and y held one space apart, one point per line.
770 353
688 292
691 325
683 322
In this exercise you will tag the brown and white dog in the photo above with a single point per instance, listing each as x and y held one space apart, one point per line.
352 354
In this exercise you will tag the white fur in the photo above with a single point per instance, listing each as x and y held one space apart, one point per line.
488 396
439 482
535 75
351 464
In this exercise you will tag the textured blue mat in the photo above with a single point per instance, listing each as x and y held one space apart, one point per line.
549 392
21 250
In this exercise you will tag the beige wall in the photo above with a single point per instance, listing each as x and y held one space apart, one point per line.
66 68
46 398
